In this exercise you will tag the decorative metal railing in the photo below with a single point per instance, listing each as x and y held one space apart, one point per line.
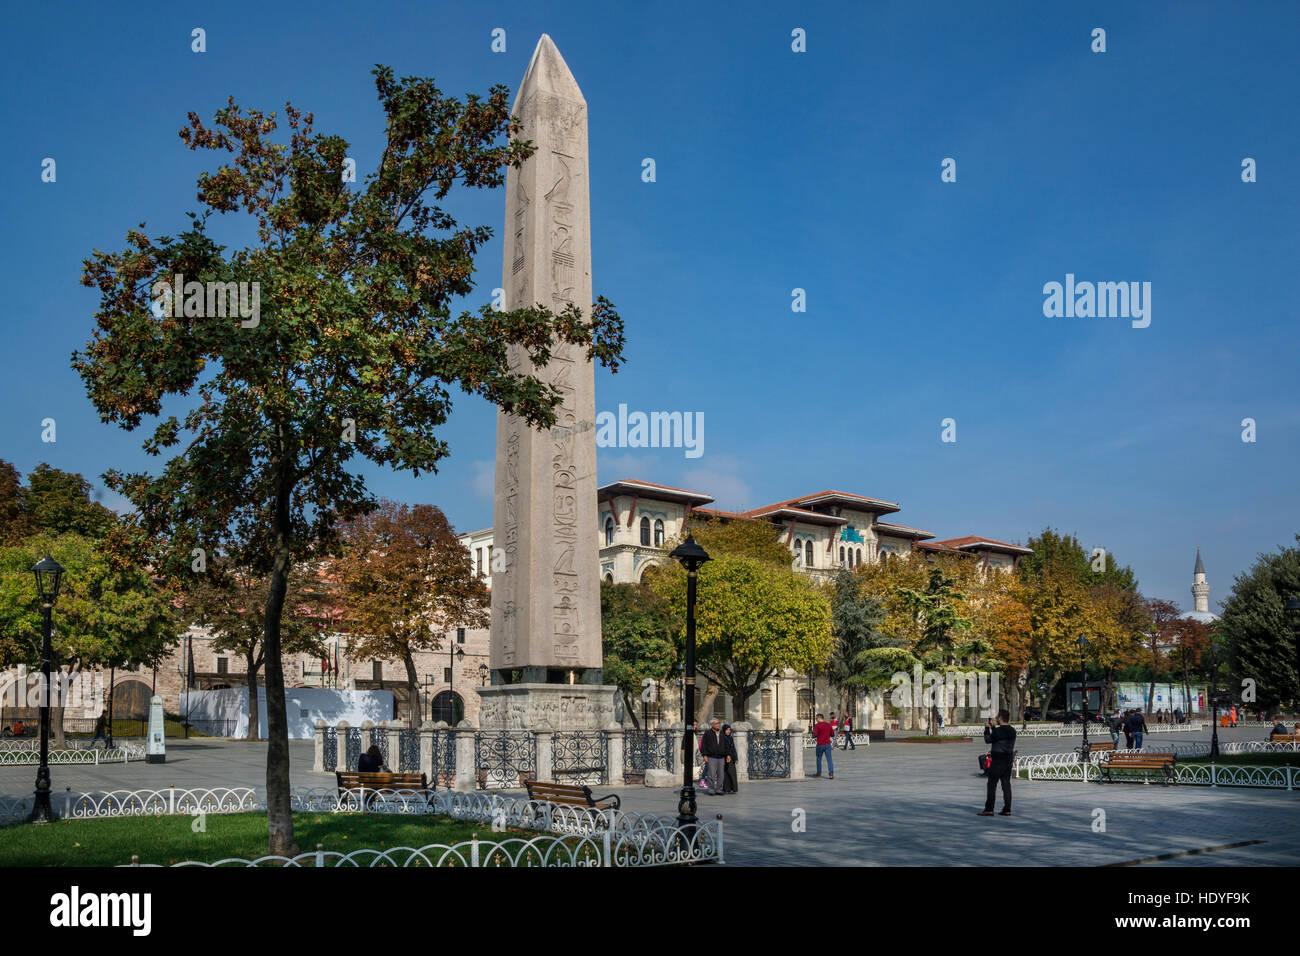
408 751
624 838
330 751
1068 767
352 748
1257 747
580 757
444 759
1095 730
769 754
650 750
671 847
379 738
74 755
503 759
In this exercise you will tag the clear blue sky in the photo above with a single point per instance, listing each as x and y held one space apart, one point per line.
779 170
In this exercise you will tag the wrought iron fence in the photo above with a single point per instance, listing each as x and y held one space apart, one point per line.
580 757
408 751
379 738
769 754
330 753
444 759
503 759
352 748
649 750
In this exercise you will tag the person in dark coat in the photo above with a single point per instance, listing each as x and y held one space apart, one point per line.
372 761
1126 726
730 781
1002 752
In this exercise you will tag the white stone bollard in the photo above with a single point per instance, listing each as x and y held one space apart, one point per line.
545 769
341 733
394 744
614 756
466 745
796 750
740 732
318 749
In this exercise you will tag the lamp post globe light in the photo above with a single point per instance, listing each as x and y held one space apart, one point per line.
692 557
1024 717
49 577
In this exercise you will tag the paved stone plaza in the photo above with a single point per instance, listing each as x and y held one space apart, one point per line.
890 804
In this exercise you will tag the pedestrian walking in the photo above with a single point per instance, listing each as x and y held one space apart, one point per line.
1112 724
824 733
846 728
714 748
730 779
101 732
1138 726
1001 738
1126 727
1232 716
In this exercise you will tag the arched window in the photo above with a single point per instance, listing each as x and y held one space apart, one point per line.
659 532
447 706
841 554
609 577
798 550
859 558
645 531
609 531
808 553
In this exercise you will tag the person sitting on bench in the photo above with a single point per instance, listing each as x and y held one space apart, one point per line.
372 761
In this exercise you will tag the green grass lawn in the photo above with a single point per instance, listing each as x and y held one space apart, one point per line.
171 839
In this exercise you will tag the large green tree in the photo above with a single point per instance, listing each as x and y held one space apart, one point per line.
1256 632
405 580
856 619
636 630
52 502
107 614
353 356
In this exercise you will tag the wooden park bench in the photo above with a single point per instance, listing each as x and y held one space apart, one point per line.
356 780
1282 738
1097 747
569 795
1140 762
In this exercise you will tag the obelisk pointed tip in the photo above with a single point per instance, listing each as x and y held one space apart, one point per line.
548 72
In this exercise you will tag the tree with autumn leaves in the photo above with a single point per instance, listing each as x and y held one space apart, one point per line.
404 580
354 354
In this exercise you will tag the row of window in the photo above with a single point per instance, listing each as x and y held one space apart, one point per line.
646 539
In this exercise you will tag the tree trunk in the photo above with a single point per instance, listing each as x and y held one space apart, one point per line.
631 710
254 706
705 707
412 689
279 814
1047 694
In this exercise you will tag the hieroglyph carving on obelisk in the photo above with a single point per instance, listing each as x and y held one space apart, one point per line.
546 603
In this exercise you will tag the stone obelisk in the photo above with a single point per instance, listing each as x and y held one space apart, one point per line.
545 638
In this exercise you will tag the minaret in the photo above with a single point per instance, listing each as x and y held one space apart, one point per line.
1200 588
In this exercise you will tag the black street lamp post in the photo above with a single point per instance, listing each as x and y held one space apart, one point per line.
692 556
1212 652
1082 644
49 575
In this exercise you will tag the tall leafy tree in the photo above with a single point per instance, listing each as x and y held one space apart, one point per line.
107 614
856 618
753 619
405 579
1256 632
353 355
636 629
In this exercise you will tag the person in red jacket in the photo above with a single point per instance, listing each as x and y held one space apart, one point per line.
824 733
